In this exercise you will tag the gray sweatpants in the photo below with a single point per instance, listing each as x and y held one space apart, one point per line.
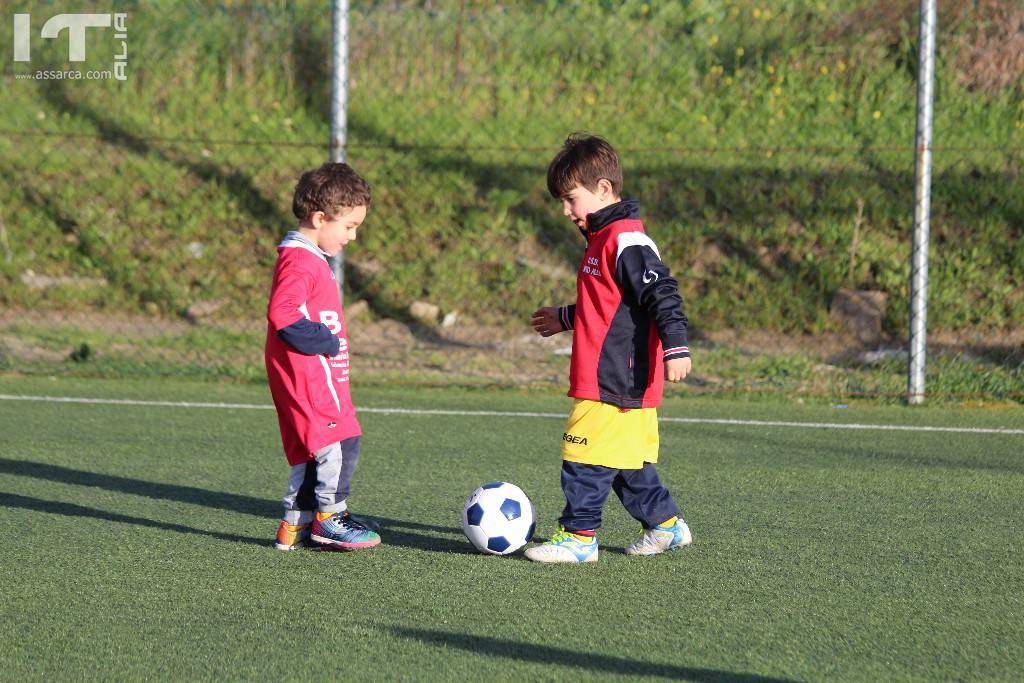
323 483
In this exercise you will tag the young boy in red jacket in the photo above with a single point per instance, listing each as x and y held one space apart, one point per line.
629 335
308 363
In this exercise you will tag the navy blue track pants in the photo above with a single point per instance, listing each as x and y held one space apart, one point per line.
586 488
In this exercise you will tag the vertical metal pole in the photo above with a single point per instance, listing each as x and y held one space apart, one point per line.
339 109
922 203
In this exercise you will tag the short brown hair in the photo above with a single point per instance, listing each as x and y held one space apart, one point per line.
330 188
583 160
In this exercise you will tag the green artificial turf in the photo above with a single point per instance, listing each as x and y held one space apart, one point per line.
136 544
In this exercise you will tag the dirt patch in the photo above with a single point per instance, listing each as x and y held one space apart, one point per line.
393 349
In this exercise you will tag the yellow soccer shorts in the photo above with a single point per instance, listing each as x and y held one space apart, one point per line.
602 434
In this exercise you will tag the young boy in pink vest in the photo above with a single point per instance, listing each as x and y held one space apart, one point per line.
307 362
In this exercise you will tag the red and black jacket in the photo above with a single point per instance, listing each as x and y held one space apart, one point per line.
628 317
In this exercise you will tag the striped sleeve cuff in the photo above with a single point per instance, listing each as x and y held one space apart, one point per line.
676 352
675 347
565 316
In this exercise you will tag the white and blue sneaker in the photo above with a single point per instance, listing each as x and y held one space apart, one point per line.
662 538
564 547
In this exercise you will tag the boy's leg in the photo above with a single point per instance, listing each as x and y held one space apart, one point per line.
332 526
650 503
644 496
586 488
335 465
299 504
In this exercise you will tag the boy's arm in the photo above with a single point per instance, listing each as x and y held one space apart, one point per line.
642 274
310 338
287 316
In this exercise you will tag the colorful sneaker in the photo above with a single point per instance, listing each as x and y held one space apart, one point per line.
339 530
662 538
291 536
371 524
564 547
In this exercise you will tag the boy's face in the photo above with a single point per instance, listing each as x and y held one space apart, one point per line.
334 233
578 202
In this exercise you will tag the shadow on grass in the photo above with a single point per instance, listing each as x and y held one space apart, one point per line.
231 502
71 510
138 487
545 654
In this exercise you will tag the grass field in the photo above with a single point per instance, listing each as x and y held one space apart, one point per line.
136 545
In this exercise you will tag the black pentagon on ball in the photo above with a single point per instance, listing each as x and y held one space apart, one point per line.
498 544
511 509
474 513
493 485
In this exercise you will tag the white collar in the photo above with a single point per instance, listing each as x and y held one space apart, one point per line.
296 239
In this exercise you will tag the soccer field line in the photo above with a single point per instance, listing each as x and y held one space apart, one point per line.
503 413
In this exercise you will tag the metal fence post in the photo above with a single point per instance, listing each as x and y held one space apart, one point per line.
922 204
339 109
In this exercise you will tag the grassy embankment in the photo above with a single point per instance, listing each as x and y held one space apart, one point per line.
771 144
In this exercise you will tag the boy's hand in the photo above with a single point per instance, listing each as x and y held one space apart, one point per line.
545 321
677 369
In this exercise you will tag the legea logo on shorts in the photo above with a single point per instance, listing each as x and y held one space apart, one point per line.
77 26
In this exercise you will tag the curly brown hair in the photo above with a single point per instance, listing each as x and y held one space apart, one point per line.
331 188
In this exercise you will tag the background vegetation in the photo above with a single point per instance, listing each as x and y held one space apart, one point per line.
770 142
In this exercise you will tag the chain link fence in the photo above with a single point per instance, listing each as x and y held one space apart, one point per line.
139 219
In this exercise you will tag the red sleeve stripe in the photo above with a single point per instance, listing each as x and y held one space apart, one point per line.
564 313
678 349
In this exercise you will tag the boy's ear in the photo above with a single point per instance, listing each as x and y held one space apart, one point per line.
317 219
604 188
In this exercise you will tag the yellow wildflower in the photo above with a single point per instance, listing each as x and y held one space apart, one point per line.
877 114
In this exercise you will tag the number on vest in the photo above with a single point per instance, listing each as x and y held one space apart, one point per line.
331 320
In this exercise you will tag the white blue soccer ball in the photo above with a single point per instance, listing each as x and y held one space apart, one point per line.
498 518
